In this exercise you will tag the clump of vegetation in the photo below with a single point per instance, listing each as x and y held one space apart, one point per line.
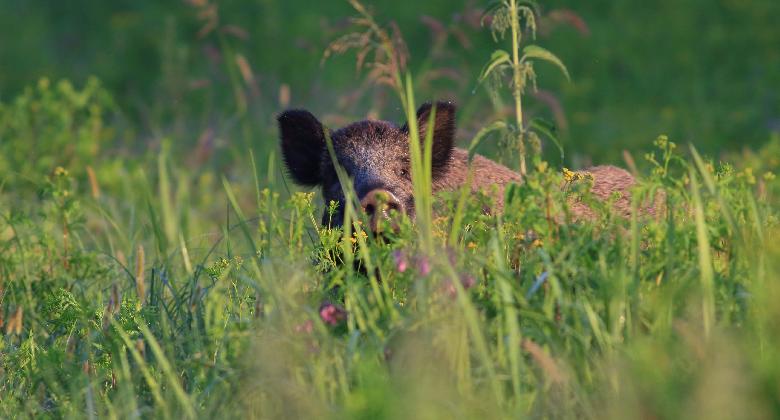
53 125
117 299
519 18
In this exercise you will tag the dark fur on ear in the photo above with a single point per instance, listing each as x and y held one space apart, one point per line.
443 132
303 142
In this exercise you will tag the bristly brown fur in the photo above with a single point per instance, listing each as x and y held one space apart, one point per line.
375 154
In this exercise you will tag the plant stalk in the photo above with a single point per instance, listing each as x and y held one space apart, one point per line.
518 82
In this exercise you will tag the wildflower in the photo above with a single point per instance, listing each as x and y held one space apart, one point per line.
424 266
568 175
401 263
661 141
60 172
769 176
571 176
307 327
452 256
467 281
472 245
449 290
332 314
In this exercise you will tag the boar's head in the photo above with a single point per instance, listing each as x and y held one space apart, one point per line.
375 155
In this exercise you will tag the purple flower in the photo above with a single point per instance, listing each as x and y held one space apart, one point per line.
401 264
467 281
452 256
332 314
424 266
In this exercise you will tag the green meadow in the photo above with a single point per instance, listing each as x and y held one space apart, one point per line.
157 261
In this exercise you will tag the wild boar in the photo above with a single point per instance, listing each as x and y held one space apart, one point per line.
375 155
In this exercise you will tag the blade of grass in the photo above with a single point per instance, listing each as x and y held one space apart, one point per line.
705 258
154 386
174 381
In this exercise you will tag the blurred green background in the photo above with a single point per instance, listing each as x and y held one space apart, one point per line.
701 71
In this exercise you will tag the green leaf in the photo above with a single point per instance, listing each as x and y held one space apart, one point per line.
492 7
498 58
495 126
547 128
535 51
530 4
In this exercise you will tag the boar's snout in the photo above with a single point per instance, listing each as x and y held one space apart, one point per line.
378 205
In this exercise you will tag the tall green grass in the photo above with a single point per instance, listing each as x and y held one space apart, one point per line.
168 295
143 285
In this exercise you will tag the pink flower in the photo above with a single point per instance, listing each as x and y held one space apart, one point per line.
401 264
449 290
306 327
452 256
467 281
424 266
332 314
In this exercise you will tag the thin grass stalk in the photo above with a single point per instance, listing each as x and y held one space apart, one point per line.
518 82
242 220
421 169
706 274
154 386
173 379
509 310
166 206
387 46
476 331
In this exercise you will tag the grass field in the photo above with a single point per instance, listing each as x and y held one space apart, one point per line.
157 262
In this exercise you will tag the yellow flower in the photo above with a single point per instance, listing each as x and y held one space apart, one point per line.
472 245
749 178
568 175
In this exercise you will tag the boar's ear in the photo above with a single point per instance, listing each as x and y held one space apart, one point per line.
303 142
443 131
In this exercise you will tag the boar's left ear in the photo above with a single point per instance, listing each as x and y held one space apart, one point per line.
443 131
303 142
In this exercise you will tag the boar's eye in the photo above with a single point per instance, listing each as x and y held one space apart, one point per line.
403 170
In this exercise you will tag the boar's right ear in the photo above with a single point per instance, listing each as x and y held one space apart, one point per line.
303 142
443 132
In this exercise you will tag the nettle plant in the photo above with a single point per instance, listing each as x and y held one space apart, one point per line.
518 17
